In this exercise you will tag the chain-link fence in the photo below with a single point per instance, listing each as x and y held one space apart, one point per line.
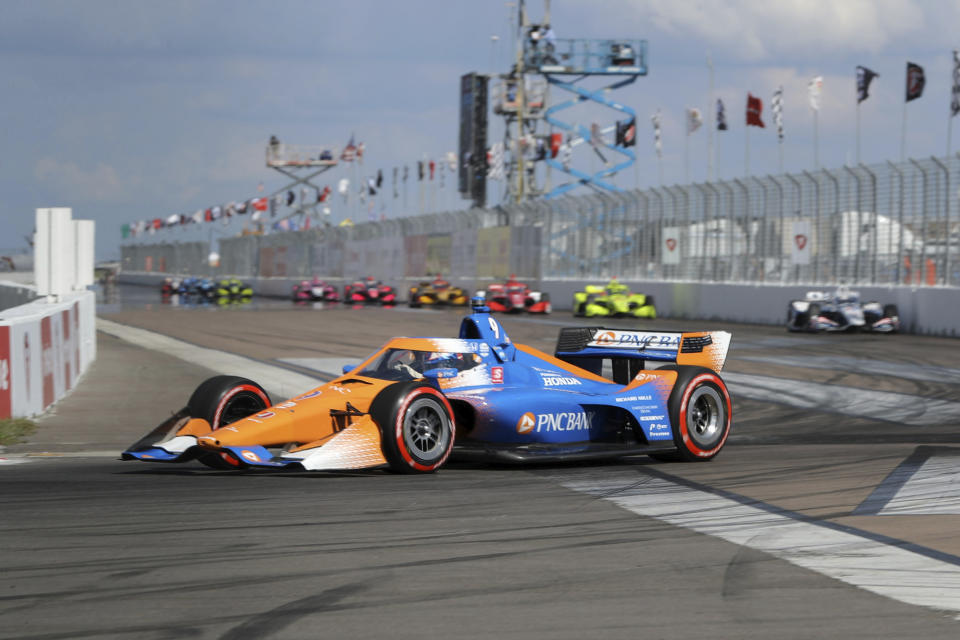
880 224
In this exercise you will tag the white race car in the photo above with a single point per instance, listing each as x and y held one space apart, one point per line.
841 310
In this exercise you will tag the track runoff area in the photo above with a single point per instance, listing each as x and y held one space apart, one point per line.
842 462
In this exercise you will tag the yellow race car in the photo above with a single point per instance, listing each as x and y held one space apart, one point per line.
437 292
611 301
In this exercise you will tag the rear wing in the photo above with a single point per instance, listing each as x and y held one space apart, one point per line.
701 348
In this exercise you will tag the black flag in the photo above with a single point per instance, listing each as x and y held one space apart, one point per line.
955 91
915 81
721 116
379 178
864 78
627 133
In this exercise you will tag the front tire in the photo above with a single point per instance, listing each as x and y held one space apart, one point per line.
416 427
222 400
701 413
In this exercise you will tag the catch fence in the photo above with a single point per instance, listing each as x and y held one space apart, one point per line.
881 224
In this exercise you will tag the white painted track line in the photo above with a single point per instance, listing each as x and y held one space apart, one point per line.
279 382
863 403
863 561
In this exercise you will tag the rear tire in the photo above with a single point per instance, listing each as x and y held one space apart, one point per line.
891 311
416 427
701 413
221 400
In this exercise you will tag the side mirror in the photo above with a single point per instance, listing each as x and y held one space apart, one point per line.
347 368
445 372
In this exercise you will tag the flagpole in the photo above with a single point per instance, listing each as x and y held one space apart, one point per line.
949 132
903 134
816 141
746 150
686 153
711 124
858 132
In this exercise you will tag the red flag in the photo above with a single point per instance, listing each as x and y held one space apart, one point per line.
208 215
433 166
260 204
157 223
556 139
754 110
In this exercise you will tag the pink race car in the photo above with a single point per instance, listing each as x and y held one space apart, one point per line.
369 291
515 297
315 290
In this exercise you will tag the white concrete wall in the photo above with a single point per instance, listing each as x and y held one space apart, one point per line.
44 348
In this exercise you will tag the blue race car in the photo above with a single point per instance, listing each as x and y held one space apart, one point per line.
407 405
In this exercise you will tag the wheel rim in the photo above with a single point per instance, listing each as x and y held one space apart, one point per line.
238 407
705 417
426 431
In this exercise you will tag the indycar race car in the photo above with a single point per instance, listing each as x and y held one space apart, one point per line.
369 291
407 404
841 310
516 297
437 292
315 290
613 300
233 289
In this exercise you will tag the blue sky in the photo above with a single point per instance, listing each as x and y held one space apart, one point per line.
128 109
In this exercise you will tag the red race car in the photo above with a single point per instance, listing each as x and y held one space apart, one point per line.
515 297
369 291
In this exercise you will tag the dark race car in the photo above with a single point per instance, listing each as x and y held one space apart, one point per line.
369 291
415 401
516 297
841 310
437 292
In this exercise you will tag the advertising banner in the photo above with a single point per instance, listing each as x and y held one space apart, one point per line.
670 245
5 373
438 255
493 253
800 243
415 249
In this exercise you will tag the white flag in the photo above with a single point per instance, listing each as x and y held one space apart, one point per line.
694 120
814 89
655 118
776 106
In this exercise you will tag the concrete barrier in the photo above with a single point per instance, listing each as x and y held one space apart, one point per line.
44 348
923 310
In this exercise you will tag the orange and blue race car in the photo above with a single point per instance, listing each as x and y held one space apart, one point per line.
416 401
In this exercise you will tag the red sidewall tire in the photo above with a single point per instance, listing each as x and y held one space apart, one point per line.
212 401
389 410
689 380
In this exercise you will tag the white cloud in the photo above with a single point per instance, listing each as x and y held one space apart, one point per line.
69 180
756 29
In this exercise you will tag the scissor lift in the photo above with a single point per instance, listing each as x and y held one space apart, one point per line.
300 163
623 60
521 98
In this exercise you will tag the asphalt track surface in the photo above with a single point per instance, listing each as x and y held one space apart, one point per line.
824 516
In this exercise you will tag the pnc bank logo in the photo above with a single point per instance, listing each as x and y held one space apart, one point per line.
607 337
526 423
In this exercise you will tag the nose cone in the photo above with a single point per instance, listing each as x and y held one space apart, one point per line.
270 427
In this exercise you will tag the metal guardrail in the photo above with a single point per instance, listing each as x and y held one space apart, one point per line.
881 224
